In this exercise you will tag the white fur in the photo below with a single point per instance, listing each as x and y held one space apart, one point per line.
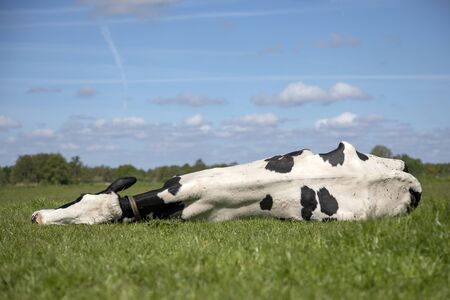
91 209
373 188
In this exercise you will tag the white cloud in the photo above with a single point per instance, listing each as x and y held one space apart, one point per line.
86 92
348 120
44 90
44 133
244 138
120 123
268 119
336 41
188 99
348 124
124 128
298 93
198 123
205 128
120 7
249 123
100 147
8 123
344 120
342 90
134 130
70 146
194 120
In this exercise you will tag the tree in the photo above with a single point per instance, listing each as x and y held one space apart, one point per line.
76 169
45 168
52 168
381 151
199 165
127 170
24 170
5 175
415 166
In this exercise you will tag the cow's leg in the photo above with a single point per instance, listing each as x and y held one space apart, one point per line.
201 198
220 203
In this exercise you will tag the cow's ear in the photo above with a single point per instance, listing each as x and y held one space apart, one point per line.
120 185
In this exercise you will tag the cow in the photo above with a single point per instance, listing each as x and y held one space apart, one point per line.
343 184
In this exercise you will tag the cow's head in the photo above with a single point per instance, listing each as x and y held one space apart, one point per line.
96 208
344 184
364 185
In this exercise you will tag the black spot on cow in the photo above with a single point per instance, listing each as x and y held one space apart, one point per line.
328 204
335 157
173 185
282 163
266 203
308 202
362 156
295 153
274 158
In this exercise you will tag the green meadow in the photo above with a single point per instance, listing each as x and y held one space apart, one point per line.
394 258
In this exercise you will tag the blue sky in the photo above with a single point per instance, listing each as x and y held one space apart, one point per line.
156 82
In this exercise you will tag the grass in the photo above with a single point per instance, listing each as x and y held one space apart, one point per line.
396 258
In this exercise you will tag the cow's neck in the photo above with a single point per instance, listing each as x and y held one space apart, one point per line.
149 205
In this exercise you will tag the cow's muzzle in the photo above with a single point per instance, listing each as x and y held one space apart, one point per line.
415 199
36 218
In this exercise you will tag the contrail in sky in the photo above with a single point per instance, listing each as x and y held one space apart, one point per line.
169 18
230 78
108 39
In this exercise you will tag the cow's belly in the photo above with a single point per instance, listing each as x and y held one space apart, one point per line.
218 196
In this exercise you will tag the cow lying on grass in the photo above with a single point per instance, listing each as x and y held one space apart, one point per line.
343 184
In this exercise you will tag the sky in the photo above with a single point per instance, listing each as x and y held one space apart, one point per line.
156 82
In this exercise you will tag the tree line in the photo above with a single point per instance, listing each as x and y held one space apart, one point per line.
415 166
50 168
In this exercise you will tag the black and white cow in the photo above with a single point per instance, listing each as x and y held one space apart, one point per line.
343 184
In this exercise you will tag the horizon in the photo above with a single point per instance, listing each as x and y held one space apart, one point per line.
68 160
166 82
